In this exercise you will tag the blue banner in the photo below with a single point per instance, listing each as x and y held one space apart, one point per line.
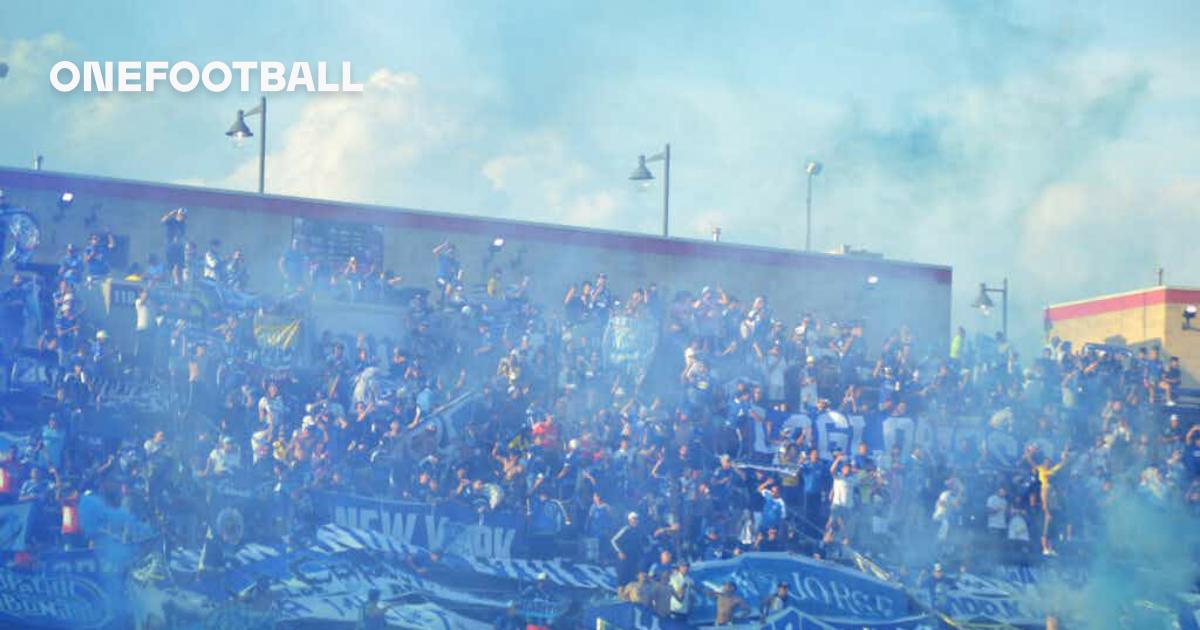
795 619
968 597
325 582
14 526
63 590
820 589
447 527
626 616
629 342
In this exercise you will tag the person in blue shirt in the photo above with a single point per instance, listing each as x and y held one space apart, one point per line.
861 457
71 266
53 439
774 509
725 479
814 475
449 269
36 488
601 298
293 266
600 520
95 255
712 546
662 566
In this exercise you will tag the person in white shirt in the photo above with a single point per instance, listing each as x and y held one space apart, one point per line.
270 406
997 512
681 591
997 518
945 509
841 494
144 330
1018 535
224 459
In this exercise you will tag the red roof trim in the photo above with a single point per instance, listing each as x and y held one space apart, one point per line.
175 195
1142 299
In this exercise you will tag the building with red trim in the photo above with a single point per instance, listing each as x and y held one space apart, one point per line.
1142 318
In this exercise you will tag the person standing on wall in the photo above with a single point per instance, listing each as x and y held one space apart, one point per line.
175 233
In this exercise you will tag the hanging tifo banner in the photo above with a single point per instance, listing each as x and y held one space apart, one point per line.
274 331
63 590
325 582
560 572
821 589
629 342
447 527
834 430
793 618
14 526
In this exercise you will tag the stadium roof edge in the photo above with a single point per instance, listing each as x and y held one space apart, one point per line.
304 207
1112 302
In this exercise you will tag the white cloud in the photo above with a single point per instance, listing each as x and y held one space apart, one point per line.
371 147
543 178
29 61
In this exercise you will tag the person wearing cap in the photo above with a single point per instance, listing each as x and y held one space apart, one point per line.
1172 435
936 583
629 543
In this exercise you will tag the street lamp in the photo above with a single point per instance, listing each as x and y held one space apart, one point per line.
643 176
984 303
239 132
813 168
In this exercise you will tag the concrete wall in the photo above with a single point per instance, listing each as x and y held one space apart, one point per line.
827 285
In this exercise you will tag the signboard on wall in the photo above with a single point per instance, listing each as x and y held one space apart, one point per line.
332 243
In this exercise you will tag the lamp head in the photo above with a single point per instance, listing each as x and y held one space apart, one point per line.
238 130
813 168
641 173
983 302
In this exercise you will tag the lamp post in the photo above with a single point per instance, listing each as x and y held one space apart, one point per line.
984 303
813 168
643 175
239 132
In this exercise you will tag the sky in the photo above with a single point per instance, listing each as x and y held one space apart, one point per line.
1052 144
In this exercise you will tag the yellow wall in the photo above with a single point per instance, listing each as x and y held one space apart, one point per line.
1184 344
1134 326
1159 325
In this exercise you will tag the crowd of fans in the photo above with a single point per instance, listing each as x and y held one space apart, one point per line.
710 447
